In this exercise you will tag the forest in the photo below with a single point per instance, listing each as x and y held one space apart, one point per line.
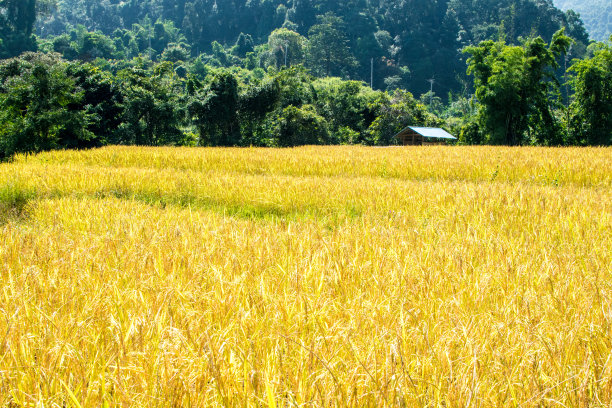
82 73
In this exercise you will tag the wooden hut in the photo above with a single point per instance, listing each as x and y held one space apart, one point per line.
421 136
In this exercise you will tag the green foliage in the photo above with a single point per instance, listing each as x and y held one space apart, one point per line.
513 85
244 45
215 111
347 136
285 48
175 53
17 19
393 113
328 50
255 104
470 134
152 113
295 87
345 105
102 100
39 106
95 45
405 43
597 15
159 72
300 126
592 106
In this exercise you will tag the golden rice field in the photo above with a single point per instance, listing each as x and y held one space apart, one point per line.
308 277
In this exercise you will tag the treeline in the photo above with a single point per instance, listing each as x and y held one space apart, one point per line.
399 44
49 103
142 79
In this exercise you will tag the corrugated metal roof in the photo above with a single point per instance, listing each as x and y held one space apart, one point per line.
432 132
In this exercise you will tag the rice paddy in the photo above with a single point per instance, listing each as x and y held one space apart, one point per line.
315 276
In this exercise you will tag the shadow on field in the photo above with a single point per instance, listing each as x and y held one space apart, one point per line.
14 201
248 210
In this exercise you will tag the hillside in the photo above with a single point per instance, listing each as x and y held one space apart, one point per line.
407 43
596 14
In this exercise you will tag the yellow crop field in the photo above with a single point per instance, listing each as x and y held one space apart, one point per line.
316 276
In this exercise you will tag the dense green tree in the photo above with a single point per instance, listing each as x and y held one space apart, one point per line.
300 126
328 50
175 53
591 121
513 85
470 134
153 112
295 87
255 104
40 106
244 45
215 111
102 100
95 45
543 87
345 104
285 48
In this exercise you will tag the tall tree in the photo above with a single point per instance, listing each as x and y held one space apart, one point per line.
285 48
592 106
152 110
328 50
255 104
513 84
214 110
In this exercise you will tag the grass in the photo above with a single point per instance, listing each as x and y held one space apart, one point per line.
307 277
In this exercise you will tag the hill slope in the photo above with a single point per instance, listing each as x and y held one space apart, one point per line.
409 41
596 14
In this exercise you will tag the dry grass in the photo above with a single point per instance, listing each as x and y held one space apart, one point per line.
306 277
